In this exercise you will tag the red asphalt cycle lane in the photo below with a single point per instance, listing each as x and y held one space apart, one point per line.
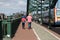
24 34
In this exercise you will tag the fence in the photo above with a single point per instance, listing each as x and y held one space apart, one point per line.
10 26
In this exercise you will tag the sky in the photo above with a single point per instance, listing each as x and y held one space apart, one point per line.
11 6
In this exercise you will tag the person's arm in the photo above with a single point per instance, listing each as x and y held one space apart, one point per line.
31 18
26 18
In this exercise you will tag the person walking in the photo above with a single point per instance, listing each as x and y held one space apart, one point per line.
23 19
29 19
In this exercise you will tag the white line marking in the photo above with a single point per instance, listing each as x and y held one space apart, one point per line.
49 32
36 34
52 34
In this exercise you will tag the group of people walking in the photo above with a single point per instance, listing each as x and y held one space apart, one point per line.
29 20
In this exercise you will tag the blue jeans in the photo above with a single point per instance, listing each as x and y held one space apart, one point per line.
29 24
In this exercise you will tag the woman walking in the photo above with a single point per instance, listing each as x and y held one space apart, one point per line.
29 19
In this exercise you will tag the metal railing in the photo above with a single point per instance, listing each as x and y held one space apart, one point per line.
10 26
1 29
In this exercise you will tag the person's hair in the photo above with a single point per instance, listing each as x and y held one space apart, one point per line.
29 14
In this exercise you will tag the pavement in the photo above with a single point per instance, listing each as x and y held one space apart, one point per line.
43 33
38 32
24 34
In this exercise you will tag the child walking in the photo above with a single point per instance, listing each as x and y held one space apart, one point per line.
23 22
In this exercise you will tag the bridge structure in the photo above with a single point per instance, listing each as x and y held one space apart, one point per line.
11 28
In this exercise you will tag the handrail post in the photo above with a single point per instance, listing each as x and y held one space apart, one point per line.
8 27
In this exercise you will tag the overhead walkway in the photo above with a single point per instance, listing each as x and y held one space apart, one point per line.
37 32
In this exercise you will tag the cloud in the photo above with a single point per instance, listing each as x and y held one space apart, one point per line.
22 3
10 6
14 5
18 4
4 4
7 5
1 3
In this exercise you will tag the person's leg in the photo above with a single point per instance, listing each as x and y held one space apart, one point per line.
29 25
23 24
